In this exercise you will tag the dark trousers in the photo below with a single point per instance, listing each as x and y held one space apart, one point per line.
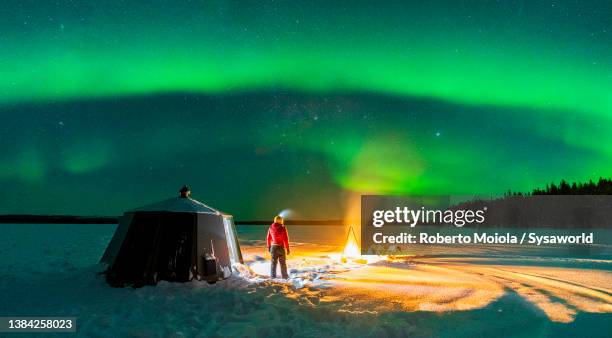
278 255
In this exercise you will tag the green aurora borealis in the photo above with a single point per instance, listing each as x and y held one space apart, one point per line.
266 105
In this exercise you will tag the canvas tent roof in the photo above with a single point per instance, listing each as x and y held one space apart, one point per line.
179 204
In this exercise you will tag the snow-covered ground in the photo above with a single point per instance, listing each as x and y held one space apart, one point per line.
51 270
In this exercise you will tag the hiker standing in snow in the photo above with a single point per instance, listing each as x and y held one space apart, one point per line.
277 242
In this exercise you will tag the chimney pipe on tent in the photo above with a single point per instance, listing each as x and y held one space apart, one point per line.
185 192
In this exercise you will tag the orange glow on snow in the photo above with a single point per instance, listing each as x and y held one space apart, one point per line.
376 284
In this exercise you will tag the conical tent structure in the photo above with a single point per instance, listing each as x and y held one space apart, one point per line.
179 239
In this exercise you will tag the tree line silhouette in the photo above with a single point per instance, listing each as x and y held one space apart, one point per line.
558 205
602 187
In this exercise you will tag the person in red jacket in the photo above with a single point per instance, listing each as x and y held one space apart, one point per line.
278 242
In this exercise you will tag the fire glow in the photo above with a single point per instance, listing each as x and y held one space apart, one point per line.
351 247
352 252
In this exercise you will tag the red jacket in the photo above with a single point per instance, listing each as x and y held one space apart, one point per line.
277 235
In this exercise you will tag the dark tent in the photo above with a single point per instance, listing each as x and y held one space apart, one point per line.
178 240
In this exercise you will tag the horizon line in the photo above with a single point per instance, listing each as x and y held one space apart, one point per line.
79 219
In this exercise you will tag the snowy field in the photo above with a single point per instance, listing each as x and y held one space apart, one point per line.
51 270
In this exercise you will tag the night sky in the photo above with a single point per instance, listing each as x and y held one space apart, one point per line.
268 105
